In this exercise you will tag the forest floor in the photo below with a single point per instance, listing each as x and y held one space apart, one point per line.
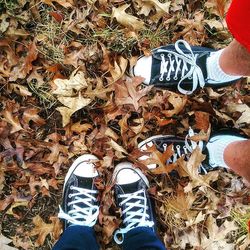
65 91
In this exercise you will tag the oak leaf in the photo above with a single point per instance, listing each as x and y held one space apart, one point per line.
72 105
69 87
42 229
178 102
243 109
125 19
127 93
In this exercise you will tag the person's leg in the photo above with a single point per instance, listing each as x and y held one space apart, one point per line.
142 238
235 59
138 231
80 207
237 157
77 238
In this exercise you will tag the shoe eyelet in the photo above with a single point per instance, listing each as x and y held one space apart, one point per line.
70 196
175 78
161 79
162 55
169 55
190 77
168 78
71 187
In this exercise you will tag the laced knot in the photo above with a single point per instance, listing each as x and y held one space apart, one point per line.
83 212
179 61
135 213
187 149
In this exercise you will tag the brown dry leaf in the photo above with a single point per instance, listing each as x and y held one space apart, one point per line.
64 3
72 105
20 89
4 241
119 68
146 6
178 102
26 66
31 114
117 147
243 109
12 119
190 169
217 235
202 120
42 229
217 7
69 87
127 93
125 19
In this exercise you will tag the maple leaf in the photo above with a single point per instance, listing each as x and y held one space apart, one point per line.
69 87
125 19
4 241
42 229
126 92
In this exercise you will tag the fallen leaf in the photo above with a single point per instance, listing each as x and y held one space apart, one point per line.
4 241
72 105
42 229
243 109
71 86
125 19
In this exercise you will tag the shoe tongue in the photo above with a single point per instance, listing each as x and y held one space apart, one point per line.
202 63
131 187
84 182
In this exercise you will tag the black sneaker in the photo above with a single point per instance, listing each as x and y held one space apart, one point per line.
177 66
181 147
130 186
80 205
217 144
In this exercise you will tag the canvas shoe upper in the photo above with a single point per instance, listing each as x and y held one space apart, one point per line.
177 66
130 187
180 146
80 205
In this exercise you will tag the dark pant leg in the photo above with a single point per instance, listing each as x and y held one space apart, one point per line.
77 238
142 238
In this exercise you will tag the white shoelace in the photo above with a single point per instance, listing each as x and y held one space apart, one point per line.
188 148
138 218
177 58
81 216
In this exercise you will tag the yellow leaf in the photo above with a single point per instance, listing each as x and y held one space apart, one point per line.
72 105
125 19
69 87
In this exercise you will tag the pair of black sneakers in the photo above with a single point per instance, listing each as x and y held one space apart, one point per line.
80 204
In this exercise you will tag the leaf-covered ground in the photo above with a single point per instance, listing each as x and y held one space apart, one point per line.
64 91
